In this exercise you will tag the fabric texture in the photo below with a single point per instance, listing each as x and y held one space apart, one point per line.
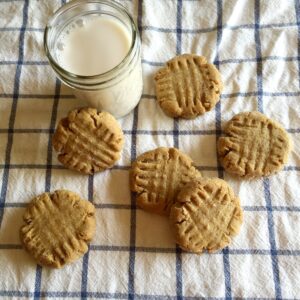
255 44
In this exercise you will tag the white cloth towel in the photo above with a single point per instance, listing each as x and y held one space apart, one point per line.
256 46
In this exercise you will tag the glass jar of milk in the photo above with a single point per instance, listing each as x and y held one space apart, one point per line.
94 47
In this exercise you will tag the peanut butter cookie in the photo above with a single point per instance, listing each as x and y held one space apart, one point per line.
188 86
158 175
254 146
206 215
88 141
58 227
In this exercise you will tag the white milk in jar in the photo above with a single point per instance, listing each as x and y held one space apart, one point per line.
95 49
92 45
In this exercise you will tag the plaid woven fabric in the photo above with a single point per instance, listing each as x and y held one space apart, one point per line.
256 46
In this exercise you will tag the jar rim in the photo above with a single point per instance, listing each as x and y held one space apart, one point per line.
71 5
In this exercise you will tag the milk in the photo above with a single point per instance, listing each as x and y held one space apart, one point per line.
95 45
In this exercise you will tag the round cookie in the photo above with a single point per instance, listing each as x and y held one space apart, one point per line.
158 175
88 141
188 86
206 215
58 227
254 146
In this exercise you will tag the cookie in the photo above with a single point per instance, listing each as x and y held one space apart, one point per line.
206 215
188 86
157 176
58 227
254 146
88 141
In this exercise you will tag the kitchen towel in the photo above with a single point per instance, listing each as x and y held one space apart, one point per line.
255 44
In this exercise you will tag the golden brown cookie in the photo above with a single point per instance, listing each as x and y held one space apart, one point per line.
254 146
88 141
58 227
158 175
206 215
188 86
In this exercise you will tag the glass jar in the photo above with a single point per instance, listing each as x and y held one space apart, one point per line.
116 91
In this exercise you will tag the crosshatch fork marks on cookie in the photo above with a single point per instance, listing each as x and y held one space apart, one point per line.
255 145
70 223
188 86
88 141
158 175
206 215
